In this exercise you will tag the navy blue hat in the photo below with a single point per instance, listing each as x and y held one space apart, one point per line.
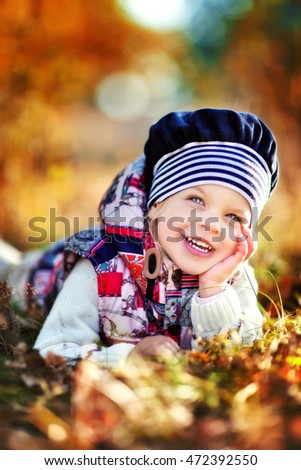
211 146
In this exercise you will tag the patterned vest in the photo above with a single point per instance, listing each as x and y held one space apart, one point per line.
116 250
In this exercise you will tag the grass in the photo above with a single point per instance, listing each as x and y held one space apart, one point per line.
222 397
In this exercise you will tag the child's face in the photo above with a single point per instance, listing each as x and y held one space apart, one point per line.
198 227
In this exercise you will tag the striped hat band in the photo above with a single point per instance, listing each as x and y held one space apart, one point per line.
229 164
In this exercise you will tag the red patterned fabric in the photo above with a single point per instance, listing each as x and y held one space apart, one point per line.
109 283
116 249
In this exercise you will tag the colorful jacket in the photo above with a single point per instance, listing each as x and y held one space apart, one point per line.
128 309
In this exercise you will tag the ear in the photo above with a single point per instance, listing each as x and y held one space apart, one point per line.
155 205
152 209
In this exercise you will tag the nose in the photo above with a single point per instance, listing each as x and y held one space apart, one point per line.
206 222
212 225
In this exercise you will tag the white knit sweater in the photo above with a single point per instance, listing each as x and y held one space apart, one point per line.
71 328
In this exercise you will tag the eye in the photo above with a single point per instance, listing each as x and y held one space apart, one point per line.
236 218
197 200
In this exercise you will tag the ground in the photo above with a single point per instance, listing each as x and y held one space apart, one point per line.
223 397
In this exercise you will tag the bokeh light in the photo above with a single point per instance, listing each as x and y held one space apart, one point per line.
157 14
123 96
152 88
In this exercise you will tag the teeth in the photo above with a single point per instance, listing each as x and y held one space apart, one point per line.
199 244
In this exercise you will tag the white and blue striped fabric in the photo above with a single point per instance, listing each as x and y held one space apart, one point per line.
233 165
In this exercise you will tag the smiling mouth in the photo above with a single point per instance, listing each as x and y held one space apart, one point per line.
199 244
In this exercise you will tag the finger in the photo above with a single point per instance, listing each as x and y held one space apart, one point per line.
244 243
232 263
165 340
165 351
242 247
152 345
171 343
251 243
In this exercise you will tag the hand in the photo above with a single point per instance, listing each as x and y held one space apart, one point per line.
155 346
215 279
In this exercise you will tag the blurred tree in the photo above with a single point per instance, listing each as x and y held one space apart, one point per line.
246 55
263 69
242 54
264 64
52 53
210 25
62 49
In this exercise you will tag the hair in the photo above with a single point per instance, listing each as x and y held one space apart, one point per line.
153 216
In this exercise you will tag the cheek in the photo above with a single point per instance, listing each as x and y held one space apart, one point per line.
234 227
237 229
170 232
233 230
174 223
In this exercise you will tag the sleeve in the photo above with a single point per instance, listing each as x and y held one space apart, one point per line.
236 308
71 329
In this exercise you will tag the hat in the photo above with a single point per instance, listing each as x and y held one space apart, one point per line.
211 146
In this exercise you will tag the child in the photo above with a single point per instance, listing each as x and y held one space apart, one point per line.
168 265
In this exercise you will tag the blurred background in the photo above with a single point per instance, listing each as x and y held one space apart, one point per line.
81 81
